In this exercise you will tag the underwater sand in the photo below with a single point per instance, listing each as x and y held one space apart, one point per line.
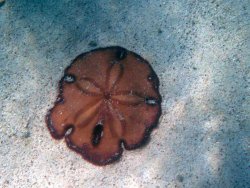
200 51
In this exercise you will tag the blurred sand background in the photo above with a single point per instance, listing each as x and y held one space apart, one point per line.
200 51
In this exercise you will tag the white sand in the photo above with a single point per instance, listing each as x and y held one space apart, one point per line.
200 51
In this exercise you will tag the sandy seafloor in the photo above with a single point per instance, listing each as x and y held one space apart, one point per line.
200 51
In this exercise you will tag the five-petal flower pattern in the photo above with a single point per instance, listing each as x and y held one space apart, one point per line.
108 99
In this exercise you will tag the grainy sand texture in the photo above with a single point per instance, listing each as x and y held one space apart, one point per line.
200 51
